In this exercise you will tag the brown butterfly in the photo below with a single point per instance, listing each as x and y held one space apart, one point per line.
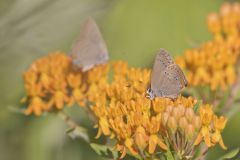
167 78
90 49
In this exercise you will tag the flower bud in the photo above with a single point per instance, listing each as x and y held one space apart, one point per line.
189 131
236 7
196 122
189 114
183 123
176 113
169 109
165 117
214 24
181 110
172 124
225 9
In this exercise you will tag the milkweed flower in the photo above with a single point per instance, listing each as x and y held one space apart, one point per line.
51 82
214 63
146 127
78 88
219 125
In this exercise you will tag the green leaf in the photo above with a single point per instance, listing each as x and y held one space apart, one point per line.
104 151
232 155
197 106
169 155
78 132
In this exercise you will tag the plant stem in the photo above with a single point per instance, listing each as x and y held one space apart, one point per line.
204 151
69 121
76 130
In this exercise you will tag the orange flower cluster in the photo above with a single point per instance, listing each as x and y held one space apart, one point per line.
214 62
138 124
51 82
143 126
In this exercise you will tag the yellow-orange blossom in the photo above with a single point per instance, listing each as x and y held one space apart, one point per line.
121 107
139 124
214 63
51 83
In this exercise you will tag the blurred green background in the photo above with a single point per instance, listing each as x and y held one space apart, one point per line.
134 30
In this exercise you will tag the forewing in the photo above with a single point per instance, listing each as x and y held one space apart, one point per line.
164 58
162 61
90 49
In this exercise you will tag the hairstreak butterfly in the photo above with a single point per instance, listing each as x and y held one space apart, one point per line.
167 78
90 49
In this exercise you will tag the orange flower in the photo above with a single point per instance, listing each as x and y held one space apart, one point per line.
219 125
78 88
141 126
36 106
49 84
214 63
206 115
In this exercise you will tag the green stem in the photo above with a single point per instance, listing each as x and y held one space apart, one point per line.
202 156
75 129
69 121
169 155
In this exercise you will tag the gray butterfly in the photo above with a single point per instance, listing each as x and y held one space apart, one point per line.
167 79
90 49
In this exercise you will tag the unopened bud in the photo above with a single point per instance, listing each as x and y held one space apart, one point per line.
172 124
169 109
189 114
197 122
225 9
165 117
176 113
190 131
181 109
236 7
183 123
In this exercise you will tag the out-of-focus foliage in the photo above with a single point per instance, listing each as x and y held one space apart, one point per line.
134 31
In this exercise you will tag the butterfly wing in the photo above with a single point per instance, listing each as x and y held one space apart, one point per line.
90 49
162 61
173 82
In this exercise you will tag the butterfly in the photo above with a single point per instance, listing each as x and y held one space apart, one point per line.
167 78
90 49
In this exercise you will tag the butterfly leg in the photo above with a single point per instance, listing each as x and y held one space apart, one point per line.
150 94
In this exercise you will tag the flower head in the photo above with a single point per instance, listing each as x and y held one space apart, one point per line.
143 126
51 83
214 63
